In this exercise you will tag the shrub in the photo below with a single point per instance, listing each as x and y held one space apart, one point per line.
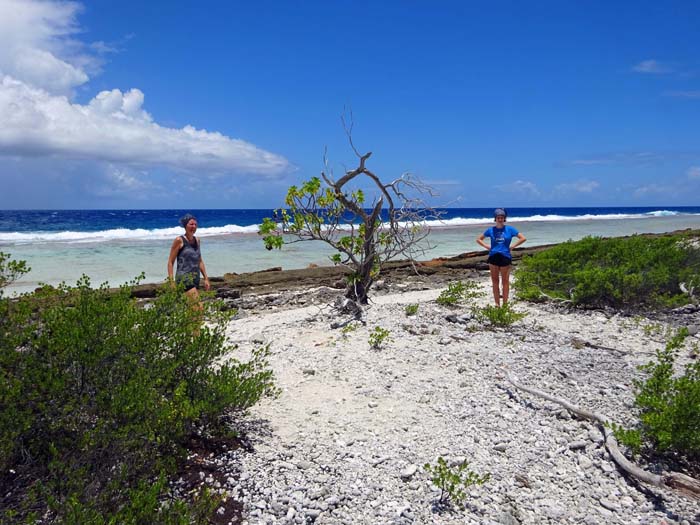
669 407
377 337
411 309
98 397
501 316
620 272
459 292
10 270
453 482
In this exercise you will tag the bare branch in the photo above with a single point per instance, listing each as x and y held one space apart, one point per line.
684 484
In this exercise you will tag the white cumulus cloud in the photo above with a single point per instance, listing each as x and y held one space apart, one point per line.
36 44
41 64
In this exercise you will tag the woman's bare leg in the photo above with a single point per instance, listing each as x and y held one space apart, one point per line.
494 283
196 304
505 281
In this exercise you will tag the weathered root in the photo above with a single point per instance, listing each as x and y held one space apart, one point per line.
350 308
674 480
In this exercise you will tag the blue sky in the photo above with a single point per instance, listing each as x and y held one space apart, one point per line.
155 104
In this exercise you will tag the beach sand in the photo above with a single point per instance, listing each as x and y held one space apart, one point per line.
347 438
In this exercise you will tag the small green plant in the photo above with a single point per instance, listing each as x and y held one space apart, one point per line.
669 406
411 309
500 316
459 292
377 337
453 482
349 328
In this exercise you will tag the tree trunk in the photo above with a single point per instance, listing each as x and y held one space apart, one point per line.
359 286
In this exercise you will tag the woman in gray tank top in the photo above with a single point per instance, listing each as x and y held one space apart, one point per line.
186 251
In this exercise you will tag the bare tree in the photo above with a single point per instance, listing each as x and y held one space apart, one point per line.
391 226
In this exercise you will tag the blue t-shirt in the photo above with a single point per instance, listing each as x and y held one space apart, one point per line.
500 239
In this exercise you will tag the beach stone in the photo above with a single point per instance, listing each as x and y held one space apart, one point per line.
506 518
595 435
407 473
584 462
693 329
610 504
577 445
500 447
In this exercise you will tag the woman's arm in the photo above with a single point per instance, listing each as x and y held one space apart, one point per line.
203 268
174 249
521 239
480 242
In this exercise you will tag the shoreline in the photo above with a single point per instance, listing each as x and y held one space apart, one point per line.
279 279
118 262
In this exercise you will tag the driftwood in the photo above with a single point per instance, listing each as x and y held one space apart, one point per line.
674 480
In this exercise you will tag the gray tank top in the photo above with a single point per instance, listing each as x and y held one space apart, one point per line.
188 258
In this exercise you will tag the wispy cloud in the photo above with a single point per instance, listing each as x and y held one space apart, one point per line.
651 66
118 181
41 65
620 157
654 189
693 173
579 186
527 188
683 94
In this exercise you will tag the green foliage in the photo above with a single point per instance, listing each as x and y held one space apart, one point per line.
98 397
500 316
454 482
10 270
411 309
349 328
669 405
620 272
459 292
377 337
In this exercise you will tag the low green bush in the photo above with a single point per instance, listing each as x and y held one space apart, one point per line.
99 396
500 316
668 406
411 309
459 292
377 337
620 272
454 482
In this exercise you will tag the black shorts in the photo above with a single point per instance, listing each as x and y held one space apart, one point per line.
498 259
190 280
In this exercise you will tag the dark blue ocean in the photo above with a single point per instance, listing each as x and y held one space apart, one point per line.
138 223
115 246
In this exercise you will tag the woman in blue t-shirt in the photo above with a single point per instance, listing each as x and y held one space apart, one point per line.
500 258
